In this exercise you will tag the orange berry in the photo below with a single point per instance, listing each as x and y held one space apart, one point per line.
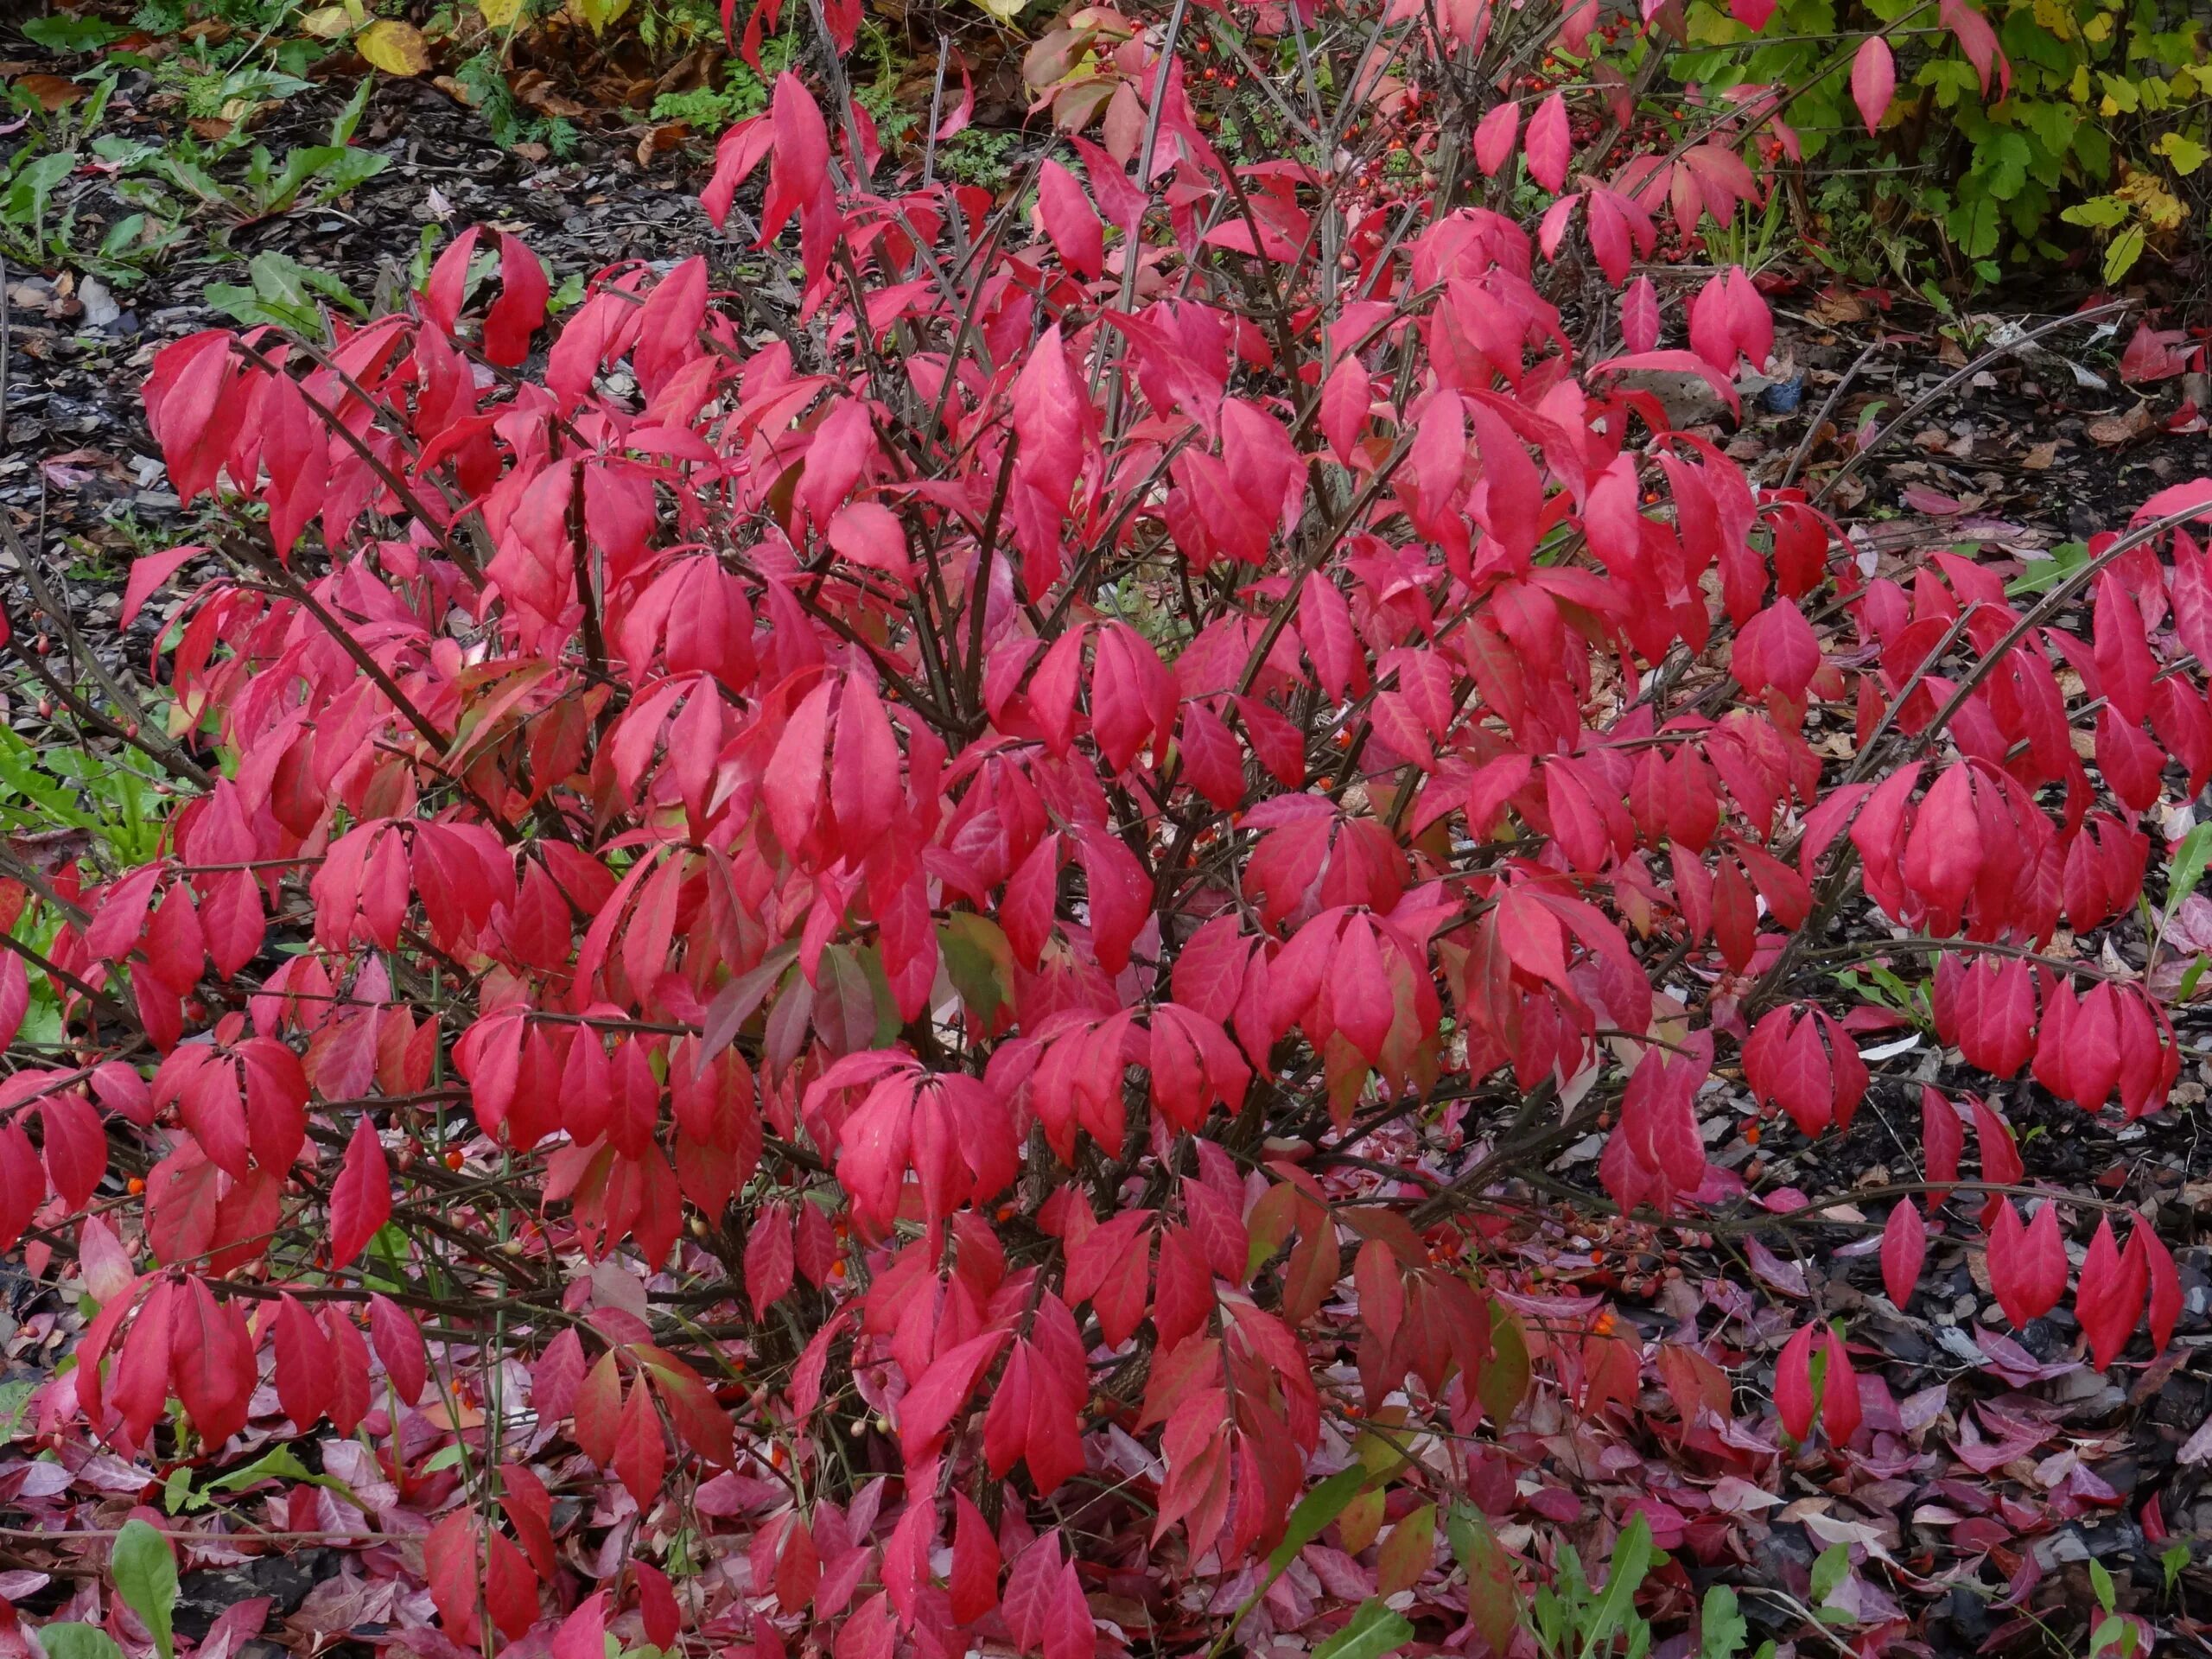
453 1159
135 1186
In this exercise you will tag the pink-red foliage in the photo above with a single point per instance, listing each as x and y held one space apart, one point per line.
937 932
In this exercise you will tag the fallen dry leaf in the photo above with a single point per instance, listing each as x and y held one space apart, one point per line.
2041 457
1832 307
2113 429
534 88
51 91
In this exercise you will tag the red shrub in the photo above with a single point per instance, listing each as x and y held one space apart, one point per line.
974 907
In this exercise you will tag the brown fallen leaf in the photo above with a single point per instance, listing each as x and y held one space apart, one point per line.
1833 306
51 91
666 137
2041 457
534 88
2113 429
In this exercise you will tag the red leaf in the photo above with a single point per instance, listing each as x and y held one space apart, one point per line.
941 1390
1839 1411
640 1450
515 315
1548 146
212 1362
1068 220
148 573
1873 79
1793 1384
2027 1265
510 1587
307 1369
398 1343
1347 401
1977 40
449 1559
657 1603
2165 1283
975 1581
2109 1300
349 1399
76 1145
769 1259
360 1199
1904 1247
1494 136
1640 315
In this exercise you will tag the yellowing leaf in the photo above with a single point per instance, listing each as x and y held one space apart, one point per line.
498 14
326 22
396 48
598 13
2185 153
1005 11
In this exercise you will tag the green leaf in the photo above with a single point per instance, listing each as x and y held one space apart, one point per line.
978 961
2043 575
1502 1382
144 1569
69 1640
1314 1512
349 119
1493 1600
1974 226
2176 1557
176 1490
1373 1632
2183 153
1721 1630
2101 1581
1833 1567
2188 869
13 1398
33 187
2126 248
2003 163
62 32
279 1464
1623 1576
